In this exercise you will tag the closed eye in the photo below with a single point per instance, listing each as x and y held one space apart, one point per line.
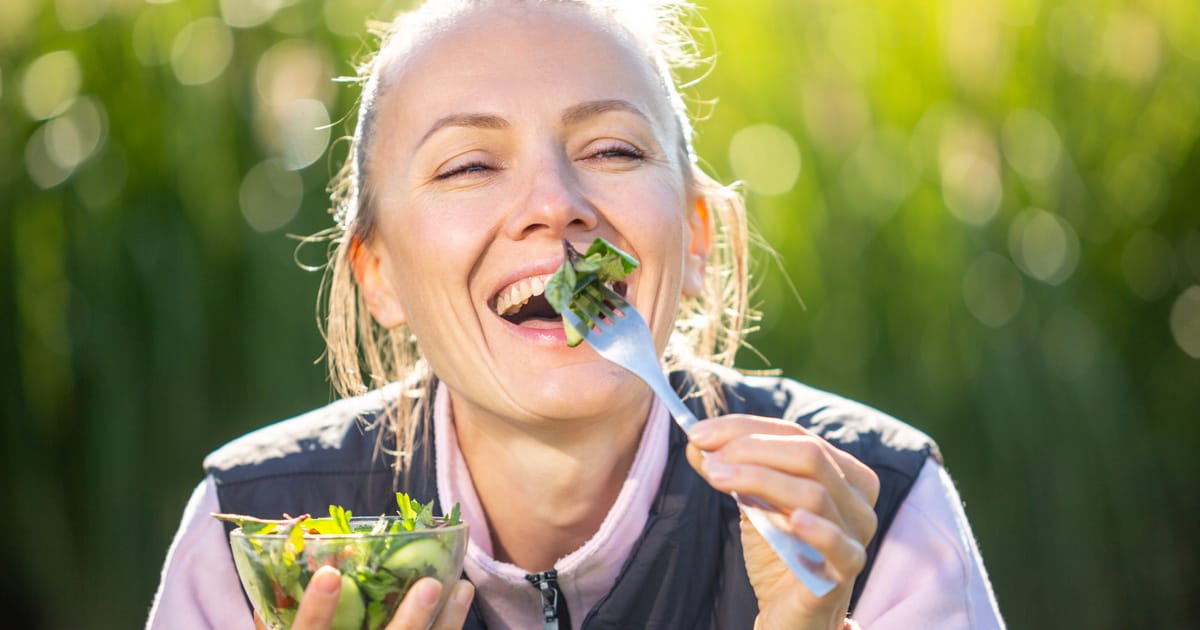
463 169
619 151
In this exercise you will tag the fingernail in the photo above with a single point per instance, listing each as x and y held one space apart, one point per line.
700 432
328 580
716 470
429 593
802 519
462 594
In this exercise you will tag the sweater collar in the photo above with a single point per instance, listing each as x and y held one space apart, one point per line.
584 575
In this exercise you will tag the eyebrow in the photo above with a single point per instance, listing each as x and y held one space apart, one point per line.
572 116
478 121
583 111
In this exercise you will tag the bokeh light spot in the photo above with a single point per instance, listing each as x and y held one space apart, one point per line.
1148 264
73 137
1132 46
290 70
993 290
969 165
1044 246
201 51
293 81
50 84
270 195
15 17
766 158
248 13
973 43
41 167
1185 321
971 188
305 132
76 15
1031 144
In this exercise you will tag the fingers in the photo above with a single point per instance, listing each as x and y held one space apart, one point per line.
319 604
420 604
781 490
844 556
718 433
788 467
318 607
454 613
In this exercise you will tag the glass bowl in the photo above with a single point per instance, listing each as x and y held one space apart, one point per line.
377 569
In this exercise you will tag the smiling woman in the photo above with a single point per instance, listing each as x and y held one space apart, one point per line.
489 133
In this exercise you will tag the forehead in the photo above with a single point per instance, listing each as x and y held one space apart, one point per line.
514 58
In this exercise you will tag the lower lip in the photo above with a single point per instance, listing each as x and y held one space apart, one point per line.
538 331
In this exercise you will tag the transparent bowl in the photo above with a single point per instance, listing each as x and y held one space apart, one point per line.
377 569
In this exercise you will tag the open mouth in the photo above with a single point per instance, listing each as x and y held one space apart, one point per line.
524 302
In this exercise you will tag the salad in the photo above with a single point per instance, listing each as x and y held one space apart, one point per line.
379 558
602 264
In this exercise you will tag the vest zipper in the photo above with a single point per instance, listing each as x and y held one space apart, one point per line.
554 604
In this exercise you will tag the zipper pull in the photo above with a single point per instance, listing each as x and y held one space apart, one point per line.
554 605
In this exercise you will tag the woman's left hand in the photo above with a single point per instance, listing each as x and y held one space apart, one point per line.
828 494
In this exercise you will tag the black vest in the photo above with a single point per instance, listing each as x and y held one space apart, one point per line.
685 571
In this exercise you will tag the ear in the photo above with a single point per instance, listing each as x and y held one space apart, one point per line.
370 272
700 226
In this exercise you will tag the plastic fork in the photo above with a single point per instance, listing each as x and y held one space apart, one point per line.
615 329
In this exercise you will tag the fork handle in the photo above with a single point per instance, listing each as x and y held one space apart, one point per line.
805 562
683 416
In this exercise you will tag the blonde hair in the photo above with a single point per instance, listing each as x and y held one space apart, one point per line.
362 355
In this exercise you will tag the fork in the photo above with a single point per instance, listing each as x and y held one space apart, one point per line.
615 329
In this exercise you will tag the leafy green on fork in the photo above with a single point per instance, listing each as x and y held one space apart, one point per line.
582 281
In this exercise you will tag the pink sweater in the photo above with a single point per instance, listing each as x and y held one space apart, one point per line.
928 573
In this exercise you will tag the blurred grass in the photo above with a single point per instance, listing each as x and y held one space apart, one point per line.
988 210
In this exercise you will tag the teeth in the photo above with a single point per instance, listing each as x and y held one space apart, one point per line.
517 294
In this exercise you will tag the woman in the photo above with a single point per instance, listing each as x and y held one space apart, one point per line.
489 131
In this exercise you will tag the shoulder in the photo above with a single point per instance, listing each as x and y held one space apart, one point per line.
929 572
873 436
320 440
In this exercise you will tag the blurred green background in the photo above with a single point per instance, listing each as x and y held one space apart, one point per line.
988 209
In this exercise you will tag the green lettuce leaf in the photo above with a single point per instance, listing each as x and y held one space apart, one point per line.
603 263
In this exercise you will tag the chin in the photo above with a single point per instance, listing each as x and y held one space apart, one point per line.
579 392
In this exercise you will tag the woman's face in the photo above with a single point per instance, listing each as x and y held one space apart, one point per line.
495 140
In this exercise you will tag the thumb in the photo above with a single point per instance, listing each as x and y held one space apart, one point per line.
319 604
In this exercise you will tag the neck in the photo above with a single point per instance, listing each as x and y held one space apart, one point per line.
546 492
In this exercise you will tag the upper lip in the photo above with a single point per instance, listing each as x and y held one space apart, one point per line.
538 268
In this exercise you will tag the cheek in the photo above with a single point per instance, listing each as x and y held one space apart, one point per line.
655 227
432 258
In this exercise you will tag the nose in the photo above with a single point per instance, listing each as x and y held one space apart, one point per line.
553 202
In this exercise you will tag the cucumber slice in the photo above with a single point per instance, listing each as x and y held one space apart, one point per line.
426 556
350 609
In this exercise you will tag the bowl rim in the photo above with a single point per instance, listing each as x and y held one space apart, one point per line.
462 526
